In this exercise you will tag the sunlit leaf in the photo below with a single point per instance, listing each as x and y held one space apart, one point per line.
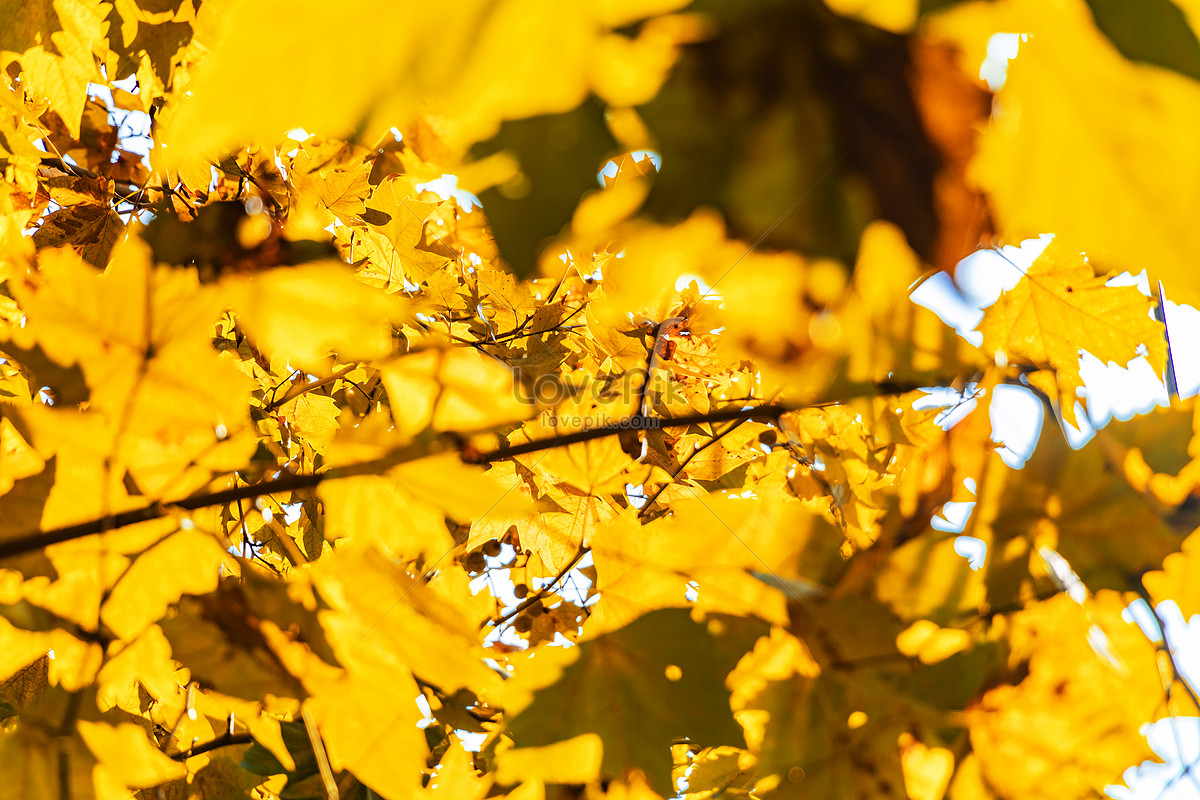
1060 308
306 313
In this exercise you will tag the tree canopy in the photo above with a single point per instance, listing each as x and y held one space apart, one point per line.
523 399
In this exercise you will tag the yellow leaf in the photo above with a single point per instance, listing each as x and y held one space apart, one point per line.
479 64
17 459
452 389
1176 580
456 777
1060 308
143 338
144 664
32 759
886 339
642 280
461 491
595 466
57 50
383 619
553 537
398 229
922 578
187 562
927 770
775 657
19 648
897 16
575 760
601 211
715 543
314 416
1073 701
1121 188
368 722
376 509
303 313
126 755
77 446
931 644
322 179
629 71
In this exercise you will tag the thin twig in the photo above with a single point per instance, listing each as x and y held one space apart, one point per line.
305 388
636 422
65 729
36 540
121 190
539 593
675 475
1160 314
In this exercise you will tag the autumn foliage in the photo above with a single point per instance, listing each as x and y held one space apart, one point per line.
523 398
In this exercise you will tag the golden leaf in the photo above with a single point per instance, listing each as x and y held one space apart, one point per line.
1060 308
305 313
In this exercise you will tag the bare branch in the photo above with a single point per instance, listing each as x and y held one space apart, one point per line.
224 740
36 540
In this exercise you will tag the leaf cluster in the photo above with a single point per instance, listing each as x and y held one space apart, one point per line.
523 399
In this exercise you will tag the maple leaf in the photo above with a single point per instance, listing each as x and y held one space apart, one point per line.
332 182
1065 670
1060 308
1111 188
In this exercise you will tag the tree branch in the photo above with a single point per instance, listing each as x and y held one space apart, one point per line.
636 422
224 740
1168 648
36 540
645 509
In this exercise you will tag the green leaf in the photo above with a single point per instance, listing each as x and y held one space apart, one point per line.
1153 31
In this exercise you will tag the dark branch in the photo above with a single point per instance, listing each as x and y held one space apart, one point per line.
638 422
538 594
224 740
36 540
39 539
